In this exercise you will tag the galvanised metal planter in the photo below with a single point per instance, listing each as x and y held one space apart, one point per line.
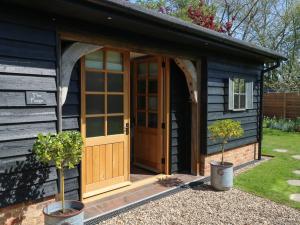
221 177
75 218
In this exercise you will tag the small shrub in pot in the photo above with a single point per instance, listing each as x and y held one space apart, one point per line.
222 172
65 151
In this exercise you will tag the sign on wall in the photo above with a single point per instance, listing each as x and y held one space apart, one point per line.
36 98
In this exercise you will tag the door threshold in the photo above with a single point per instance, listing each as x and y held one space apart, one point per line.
127 187
106 189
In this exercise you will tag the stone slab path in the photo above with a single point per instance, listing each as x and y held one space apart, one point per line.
296 157
294 182
295 197
296 172
280 150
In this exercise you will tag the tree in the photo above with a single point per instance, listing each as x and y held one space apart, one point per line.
223 130
273 24
177 8
206 16
64 149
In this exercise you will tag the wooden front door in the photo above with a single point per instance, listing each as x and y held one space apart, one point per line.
148 133
105 121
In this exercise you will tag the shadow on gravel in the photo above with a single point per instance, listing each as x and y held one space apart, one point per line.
170 182
201 186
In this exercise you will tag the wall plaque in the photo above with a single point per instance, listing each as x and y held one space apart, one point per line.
36 98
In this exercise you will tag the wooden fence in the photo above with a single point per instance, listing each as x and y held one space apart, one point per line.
282 105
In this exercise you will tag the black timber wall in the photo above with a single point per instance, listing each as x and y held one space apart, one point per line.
71 121
21 176
28 62
218 73
180 121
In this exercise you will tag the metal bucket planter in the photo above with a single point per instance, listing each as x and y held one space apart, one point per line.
221 177
75 218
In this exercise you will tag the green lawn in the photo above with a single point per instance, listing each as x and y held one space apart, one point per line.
269 179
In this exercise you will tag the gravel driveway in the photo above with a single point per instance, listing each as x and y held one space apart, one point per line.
202 205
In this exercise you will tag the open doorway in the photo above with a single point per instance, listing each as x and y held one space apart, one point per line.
148 115
125 119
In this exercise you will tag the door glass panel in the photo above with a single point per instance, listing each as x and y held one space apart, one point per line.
114 61
94 60
142 70
94 127
153 69
142 86
152 86
115 104
152 103
141 119
141 102
115 125
115 82
94 104
94 81
152 120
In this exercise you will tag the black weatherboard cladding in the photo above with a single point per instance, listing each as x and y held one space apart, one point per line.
21 176
180 121
71 121
219 71
32 46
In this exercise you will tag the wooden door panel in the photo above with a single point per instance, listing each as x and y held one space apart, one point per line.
148 146
104 165
104 114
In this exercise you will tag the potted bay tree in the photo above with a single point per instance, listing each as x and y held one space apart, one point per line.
222 172
65 151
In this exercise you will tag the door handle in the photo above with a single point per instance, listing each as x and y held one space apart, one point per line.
127 129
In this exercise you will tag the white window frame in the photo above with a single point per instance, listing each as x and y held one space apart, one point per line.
248 94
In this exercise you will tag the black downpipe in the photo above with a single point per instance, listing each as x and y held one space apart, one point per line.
261 105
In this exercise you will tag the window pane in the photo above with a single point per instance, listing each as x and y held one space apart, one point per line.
242 86
94 104
242 101
94 60
142 70
94 127
152 103
152 88
94 81
141 102
114 61
153 69
236 85
236 101
115 104
141 119
141 86
115 125
115 82
152 120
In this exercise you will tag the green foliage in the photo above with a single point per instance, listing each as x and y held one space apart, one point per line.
64 149
286 125
177 8
223 130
